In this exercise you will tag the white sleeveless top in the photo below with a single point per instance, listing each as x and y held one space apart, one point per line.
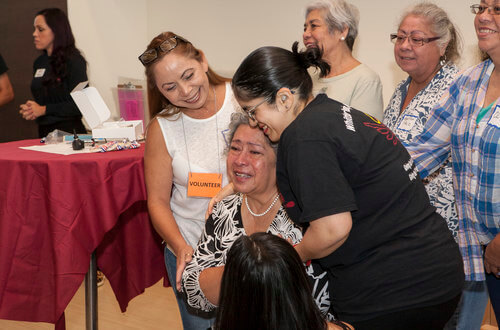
200 136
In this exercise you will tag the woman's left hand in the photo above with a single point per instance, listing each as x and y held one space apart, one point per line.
183 257
492 257
223 193
32 110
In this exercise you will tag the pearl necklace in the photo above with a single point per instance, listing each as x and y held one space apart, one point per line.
265 212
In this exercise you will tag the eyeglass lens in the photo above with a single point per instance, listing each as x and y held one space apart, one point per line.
479 9
166 46
251 111
413 39
148 56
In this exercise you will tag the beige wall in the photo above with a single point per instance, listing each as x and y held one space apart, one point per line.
112 33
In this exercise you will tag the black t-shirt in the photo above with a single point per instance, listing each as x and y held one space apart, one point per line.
3 66
57 98
399 253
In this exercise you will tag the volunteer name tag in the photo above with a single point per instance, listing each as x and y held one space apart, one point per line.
204 184
39 73
407 122
495 118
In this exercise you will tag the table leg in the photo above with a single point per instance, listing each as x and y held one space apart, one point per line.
91 295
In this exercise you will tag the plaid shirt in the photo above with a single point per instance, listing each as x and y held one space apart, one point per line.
475 151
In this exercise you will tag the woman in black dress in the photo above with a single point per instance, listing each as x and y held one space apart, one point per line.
55 73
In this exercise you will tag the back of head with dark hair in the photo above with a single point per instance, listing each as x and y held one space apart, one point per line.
264 286
63 45
267 69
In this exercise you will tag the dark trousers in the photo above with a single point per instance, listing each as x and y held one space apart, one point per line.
429 318
66 126
494 290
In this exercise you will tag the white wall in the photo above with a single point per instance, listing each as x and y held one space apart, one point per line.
113 33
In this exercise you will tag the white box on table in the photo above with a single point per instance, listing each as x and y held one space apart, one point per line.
96 112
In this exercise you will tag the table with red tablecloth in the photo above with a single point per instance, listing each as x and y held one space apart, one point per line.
55 211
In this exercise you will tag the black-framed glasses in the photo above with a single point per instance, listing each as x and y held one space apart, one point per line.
479 9
166 46
415 40
251 112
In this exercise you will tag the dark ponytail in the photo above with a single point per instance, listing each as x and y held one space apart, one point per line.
311 57
267 69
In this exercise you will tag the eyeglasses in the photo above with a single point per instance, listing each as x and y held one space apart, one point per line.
251 112
166 46
414 40
479 9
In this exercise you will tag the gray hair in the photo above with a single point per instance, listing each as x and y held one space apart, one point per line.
238 119
441 25
338 14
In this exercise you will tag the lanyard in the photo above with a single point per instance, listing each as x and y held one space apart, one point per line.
216 134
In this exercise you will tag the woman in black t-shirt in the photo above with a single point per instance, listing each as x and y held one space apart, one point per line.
55 73
391 260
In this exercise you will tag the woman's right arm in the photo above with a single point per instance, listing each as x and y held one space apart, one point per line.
210 281
158 174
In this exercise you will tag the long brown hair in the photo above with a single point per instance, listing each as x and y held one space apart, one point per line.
158 102
63 48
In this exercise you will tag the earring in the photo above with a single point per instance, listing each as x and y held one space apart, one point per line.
442 60
283 98
342 38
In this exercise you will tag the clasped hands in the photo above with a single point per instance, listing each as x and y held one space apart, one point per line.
32 110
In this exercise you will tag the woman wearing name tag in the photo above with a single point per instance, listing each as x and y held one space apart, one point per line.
345 177
426 45
251 164
466 125
55 73
184 156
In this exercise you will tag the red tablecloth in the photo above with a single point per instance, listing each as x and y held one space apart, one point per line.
55 211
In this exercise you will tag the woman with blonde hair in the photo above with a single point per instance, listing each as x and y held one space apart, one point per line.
185 142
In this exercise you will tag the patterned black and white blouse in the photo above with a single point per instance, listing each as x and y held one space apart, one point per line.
222 228
409 122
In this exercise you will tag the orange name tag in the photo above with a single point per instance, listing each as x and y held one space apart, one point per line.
204 184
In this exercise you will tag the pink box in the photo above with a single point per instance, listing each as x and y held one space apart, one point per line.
131 103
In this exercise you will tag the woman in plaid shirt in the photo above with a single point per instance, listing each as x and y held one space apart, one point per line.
466 124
